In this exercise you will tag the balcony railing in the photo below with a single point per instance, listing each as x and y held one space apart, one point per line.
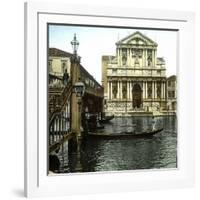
136 72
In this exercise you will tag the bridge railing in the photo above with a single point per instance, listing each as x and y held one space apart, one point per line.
58 97
59 111
59 128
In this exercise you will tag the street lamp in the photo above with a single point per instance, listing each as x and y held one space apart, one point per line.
75 44
79 89
78 92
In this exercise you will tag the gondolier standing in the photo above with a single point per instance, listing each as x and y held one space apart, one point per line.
153 124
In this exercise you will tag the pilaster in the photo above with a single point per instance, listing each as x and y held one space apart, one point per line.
108 85
111 91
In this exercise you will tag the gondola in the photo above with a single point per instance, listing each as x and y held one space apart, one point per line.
106 119
125 134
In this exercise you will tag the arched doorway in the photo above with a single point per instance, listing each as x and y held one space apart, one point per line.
137 96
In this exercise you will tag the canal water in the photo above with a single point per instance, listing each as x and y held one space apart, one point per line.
156 152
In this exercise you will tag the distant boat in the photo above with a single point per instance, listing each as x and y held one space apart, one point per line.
125 134
106 119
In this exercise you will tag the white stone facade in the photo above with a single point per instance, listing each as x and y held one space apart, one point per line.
58 62
134 80
172 93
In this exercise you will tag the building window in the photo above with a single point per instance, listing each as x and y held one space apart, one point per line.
169 94
173 94
149 57
158 90
124 56
114 90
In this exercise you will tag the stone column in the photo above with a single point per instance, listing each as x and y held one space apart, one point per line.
164 96
127 89
118 89
143 90
162 90
146 58
108 85
146 94
142 57
152 89
131 93
156 90
128 57
111 91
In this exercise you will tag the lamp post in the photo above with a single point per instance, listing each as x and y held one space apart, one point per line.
75 73
78 92
75 45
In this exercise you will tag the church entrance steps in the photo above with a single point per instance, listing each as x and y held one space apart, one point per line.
141 113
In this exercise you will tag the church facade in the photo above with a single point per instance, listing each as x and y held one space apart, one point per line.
134 80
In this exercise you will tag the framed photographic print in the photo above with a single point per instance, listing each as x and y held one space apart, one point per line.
109 99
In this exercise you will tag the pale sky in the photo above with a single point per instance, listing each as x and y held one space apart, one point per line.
97 41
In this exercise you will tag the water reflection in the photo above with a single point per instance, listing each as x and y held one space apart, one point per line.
159 151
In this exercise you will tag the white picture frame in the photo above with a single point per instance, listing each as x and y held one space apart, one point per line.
37 183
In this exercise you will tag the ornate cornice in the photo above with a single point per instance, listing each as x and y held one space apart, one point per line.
137 36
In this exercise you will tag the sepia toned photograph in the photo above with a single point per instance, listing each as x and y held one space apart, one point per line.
112 99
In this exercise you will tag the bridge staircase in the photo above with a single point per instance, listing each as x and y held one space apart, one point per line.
59 112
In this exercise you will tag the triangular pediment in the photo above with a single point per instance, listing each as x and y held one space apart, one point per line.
137 38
